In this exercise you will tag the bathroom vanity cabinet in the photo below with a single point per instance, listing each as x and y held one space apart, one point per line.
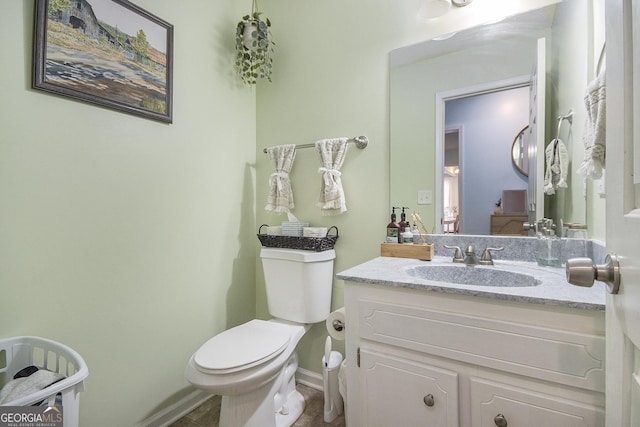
419 357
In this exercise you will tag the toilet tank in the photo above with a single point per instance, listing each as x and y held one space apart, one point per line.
298 283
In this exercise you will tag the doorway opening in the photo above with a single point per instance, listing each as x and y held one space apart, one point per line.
473 152
451 180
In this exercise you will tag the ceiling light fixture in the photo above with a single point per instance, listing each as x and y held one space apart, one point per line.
461 3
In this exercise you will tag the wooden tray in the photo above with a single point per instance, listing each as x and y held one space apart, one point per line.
416 251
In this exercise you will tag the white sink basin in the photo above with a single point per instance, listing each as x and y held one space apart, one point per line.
474 276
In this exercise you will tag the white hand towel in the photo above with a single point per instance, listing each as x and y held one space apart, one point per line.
332 153
594 135
280 197
557 160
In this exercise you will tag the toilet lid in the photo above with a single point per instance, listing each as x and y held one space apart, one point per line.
244 346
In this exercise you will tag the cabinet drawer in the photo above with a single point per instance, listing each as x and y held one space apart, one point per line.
565 357
495 404
397 392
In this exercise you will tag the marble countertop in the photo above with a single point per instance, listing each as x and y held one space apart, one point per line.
553 288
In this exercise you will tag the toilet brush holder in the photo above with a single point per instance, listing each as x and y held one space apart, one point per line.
333 405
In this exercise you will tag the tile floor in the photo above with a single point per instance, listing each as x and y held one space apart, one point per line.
207 414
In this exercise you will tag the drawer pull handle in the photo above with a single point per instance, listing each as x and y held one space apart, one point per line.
429 400
500 420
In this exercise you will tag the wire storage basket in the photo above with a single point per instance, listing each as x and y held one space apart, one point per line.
316 244
17 353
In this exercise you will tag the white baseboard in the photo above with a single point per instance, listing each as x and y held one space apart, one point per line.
310 379
174 412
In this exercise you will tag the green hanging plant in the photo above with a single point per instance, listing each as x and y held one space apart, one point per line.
254 47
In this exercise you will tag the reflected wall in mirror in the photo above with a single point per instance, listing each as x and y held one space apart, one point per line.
421 73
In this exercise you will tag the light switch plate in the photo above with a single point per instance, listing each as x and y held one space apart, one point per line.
424 197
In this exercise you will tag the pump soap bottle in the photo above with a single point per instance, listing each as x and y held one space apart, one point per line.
393 233
549 249
405 228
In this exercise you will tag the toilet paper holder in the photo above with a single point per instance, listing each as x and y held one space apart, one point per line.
336 324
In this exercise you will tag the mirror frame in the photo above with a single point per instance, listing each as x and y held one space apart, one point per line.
518 137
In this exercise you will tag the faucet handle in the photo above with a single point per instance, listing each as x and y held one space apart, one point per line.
457 255
486 256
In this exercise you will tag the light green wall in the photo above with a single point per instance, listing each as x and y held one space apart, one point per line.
577 40
124 238
330 80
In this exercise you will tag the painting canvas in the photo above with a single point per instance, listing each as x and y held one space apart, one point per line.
106 52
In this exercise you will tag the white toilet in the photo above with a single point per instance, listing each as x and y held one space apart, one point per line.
253 365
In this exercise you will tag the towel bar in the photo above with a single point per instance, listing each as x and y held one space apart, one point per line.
360 141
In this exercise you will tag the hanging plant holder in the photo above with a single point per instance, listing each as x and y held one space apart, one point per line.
254 47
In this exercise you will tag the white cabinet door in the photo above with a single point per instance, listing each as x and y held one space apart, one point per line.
399 392
495 404
623 210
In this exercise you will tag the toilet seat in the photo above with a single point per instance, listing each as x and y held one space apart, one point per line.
242 347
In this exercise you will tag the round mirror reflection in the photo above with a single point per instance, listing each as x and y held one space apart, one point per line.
519 151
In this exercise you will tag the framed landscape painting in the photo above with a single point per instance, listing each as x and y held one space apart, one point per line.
106 52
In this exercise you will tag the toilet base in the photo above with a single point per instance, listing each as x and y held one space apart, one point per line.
295 407
275 404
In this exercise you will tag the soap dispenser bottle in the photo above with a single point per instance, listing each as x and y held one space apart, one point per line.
393 229
407 236
403 224
548 251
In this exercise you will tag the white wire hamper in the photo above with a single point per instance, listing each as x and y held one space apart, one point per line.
17 353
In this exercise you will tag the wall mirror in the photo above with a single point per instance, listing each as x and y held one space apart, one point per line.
426 77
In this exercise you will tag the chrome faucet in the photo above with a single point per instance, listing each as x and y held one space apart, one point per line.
486 256
457 255
470 257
